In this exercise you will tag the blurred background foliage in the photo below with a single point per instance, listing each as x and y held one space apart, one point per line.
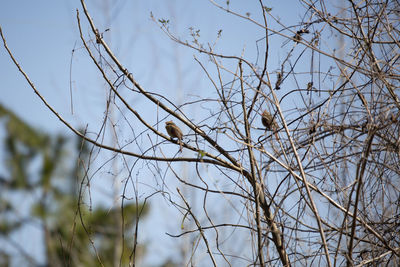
49 169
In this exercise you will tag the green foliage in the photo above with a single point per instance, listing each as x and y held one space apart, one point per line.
267 9
20 131
202 153
7 227
164 22
37 165
21 142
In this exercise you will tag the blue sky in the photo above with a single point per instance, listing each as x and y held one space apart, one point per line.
42 35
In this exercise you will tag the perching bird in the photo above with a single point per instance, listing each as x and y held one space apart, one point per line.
268 121
174 132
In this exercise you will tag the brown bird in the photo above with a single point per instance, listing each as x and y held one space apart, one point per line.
174 132
268 121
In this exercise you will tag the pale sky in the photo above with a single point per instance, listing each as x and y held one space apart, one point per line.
42 35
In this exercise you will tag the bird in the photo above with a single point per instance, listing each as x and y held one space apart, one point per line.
174 132
268 121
